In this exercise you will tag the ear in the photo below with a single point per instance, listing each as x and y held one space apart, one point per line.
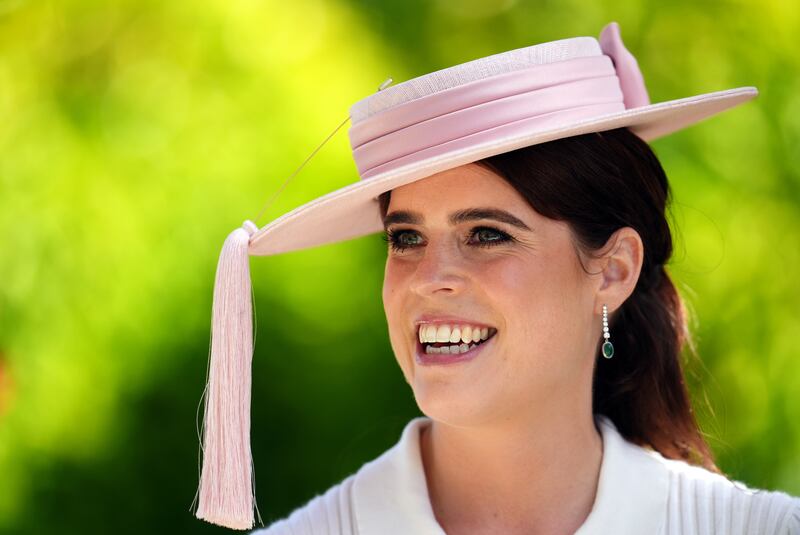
621 260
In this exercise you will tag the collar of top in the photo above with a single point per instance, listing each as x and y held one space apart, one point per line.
390 493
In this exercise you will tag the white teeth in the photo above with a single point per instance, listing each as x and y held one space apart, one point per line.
449 350
429 333
466 334
443 333
455 335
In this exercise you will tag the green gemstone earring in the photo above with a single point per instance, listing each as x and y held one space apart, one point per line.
608 348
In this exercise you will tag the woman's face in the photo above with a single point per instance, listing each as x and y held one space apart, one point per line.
525 285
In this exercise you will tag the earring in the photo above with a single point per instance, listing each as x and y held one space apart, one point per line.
608 348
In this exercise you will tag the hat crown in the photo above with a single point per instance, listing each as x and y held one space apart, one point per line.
478 69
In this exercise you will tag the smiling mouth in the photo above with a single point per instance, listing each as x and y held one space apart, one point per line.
449 348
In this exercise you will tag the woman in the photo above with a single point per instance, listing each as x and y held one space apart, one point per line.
528 309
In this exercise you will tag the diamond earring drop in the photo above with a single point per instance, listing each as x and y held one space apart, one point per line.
608 348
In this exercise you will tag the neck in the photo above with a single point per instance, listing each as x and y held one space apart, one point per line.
533 476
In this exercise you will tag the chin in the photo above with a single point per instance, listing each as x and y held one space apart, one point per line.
450 403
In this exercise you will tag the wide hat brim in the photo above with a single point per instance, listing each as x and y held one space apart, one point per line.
353 211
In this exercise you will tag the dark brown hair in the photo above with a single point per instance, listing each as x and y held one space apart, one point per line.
597 183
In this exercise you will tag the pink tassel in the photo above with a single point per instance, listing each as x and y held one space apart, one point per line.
227 483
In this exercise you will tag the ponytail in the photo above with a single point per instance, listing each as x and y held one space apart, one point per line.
642 388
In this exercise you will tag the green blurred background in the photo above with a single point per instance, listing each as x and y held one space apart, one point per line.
135 135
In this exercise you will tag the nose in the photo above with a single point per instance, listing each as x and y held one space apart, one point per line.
439 271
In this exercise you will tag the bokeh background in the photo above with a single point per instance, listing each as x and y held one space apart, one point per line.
135 135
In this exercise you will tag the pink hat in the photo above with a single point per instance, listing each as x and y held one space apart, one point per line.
401 134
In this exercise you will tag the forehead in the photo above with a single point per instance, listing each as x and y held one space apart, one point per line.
469 184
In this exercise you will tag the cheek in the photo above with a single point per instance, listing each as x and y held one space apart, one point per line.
393 290
514 283
537 297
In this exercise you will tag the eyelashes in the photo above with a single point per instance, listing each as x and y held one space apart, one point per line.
394 237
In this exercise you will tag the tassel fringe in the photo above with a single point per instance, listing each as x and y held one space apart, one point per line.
227 483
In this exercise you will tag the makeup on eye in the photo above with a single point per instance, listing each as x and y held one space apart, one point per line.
393 237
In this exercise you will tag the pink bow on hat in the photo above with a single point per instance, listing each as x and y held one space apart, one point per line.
630 77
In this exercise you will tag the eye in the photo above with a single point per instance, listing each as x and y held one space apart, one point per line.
396 240
402 239
491 236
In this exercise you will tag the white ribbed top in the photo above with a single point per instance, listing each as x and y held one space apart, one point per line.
695 507
702 502
639 493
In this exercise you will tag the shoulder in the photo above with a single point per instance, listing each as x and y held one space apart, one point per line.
389 490
329 513
701 501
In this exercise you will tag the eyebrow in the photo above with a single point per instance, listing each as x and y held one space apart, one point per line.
460 216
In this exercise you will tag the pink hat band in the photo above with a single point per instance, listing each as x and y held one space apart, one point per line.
537 96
